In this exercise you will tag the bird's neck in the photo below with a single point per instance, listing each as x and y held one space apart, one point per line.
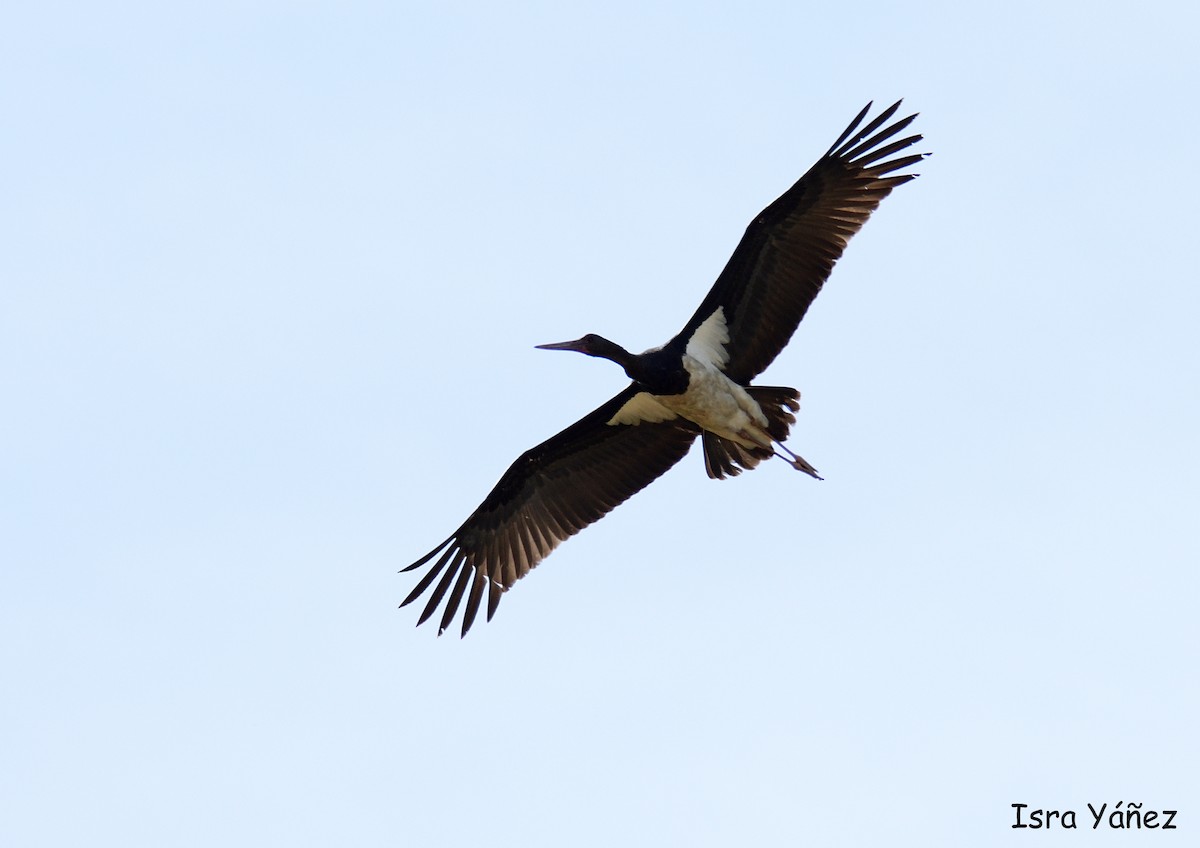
657 371
615 353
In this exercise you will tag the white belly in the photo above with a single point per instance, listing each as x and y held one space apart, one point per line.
719 405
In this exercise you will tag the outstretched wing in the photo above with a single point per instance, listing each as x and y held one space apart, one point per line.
549 494
789 250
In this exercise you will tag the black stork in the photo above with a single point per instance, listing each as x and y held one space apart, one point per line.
697 384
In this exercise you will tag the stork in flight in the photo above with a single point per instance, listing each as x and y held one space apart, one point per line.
697 384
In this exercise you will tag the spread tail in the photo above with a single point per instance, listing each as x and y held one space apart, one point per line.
723 458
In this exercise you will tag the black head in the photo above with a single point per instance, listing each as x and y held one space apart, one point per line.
659 370
594 345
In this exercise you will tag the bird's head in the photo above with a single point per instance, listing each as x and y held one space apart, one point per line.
591 344
594 345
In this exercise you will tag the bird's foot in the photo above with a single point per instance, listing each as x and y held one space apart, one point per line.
797 462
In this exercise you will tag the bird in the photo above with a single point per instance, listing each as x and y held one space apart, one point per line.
698 384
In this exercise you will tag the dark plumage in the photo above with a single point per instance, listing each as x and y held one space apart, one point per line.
680 390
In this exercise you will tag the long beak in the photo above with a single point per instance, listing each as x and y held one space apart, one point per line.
577 345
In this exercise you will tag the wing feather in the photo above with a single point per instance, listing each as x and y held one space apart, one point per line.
548 495
789 250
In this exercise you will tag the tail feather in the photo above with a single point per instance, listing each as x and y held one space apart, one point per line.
723 458
778 403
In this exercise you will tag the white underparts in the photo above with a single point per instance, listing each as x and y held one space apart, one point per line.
719 405
712 400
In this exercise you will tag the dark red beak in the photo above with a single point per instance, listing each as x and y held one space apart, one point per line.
579 345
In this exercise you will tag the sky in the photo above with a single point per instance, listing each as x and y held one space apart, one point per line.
272 278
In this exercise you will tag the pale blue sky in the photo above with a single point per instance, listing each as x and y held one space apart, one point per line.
272 280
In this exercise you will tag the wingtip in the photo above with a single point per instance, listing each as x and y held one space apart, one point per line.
427 556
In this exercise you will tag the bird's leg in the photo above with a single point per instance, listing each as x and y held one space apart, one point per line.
797 462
